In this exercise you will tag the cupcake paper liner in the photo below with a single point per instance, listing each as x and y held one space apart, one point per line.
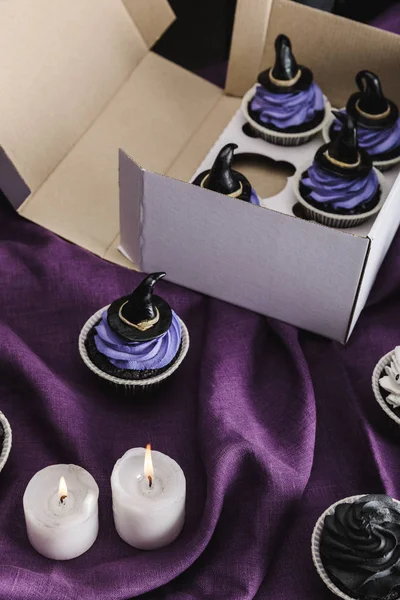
330 219
7 440
129 384
377 374
276 137
382 165
315 546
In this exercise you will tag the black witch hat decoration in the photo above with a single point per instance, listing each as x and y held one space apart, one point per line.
286 76
142 316
369 106
223 179
343 155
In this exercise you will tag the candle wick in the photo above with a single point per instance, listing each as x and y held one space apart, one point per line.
62 499
149 477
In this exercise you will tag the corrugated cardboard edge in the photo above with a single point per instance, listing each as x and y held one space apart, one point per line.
130 177
381 239
248 42
152 17
353 318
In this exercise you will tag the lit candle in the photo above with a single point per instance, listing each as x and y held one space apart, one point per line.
149 492
61 514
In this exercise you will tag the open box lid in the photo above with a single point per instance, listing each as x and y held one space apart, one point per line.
334 48
62 63
83 84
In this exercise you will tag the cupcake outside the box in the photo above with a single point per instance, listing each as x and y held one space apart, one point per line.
386 384
136 341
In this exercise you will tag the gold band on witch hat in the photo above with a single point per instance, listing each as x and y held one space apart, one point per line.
339 163
235 194
143 325
372 117
284 82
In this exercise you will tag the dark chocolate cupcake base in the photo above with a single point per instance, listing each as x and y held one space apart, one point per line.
105 365
101 366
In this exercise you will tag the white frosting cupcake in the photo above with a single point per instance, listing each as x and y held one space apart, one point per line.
386 378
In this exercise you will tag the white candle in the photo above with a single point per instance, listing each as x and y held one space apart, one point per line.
148 491
61 514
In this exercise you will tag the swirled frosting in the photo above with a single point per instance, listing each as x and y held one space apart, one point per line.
360 546
375 141
138 356
254 199
391 381
287 110
333 191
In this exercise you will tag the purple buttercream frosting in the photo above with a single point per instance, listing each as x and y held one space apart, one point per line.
138 356
375 141
287 110
254 199
338 192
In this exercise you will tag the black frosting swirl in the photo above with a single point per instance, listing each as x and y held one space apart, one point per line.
360 547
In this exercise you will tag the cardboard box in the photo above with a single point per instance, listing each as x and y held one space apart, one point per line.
84 84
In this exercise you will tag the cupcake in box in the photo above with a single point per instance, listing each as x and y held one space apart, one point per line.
386 384
136 341
356 548
223 179
378 123
341 188
286 107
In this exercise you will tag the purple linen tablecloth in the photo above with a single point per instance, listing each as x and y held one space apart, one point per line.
270 424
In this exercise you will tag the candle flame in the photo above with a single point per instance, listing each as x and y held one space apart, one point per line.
148 465
62 489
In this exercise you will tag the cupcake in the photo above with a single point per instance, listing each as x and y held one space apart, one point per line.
378 123
5 440
356 548
341 188
137 340
386 384
223 179
286 107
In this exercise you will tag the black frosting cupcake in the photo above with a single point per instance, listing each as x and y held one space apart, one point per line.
223 179
360 548
137 338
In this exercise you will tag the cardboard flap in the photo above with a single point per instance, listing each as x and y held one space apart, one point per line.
152 117
335 49
248 43
183 220
152 17
62 62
